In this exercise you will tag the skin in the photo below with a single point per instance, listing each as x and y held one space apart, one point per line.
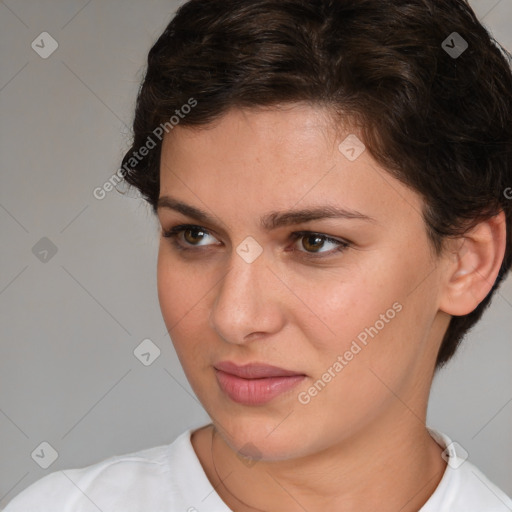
360 444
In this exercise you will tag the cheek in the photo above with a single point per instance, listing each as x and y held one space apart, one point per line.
182 286
373 320
170 286
381 331
346 304
354 371
181 294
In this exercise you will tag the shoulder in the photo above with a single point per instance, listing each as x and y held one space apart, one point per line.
474 492
146 479
463 487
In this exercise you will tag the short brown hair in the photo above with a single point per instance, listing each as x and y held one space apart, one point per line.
440 123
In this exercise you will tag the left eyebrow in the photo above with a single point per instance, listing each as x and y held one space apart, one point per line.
275 220
272 220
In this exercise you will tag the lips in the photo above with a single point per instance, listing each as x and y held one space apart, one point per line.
255 383
254 370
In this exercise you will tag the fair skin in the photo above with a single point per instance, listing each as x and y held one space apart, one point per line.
360 444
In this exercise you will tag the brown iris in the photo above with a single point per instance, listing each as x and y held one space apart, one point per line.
192 240
312 243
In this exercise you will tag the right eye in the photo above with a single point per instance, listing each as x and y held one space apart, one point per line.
191 234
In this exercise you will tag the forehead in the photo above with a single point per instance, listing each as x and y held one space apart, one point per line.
257 160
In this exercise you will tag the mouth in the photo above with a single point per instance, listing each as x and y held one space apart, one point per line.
256 383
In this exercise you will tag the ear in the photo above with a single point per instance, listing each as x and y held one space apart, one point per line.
473 266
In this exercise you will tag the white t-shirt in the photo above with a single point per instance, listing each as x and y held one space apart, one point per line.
170 478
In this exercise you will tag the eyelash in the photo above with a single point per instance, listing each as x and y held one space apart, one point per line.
173 233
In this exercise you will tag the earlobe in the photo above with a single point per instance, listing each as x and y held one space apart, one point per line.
474 266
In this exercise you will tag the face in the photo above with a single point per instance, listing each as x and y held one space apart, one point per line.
347 303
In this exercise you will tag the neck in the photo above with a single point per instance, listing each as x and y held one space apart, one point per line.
388 466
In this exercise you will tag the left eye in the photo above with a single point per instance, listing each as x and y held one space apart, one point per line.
314 242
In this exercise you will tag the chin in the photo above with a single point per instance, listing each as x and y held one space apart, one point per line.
263 436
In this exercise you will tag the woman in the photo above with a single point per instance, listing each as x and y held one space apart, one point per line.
331 182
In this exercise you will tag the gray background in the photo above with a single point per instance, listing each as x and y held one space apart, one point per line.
70 324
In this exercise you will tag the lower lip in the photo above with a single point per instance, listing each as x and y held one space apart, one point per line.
255 391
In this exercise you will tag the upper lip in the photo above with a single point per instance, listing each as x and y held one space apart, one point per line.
254 370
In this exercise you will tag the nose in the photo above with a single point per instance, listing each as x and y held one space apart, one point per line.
249 302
